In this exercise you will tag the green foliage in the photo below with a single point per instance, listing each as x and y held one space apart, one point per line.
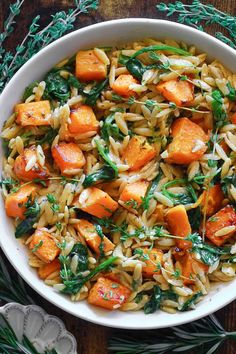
29 90
136 68
103 152
105 173
152 48
48 137
156 299
181 198
232 92
25 227
188 304
207 253
198 14
57 88
109 128
218 109
150 191
194 217
37 37
226 182
95 92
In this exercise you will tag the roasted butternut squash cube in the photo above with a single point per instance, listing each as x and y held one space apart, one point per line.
27 167
212 200
177 91
178 225
82 120
96 202
138 153
218 223
108 294
49 268
15 202
33 113
153 262
97 243
188 144
89 67
44 246
188 274
68 157
133 193
122 85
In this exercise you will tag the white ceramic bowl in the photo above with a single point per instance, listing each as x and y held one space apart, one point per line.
44 331
107 33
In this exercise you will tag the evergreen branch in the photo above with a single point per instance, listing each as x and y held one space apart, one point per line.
37 38
12 290
198 14
205 336
8 25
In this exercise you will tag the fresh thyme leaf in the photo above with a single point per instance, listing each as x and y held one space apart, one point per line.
37 246
52 200
212 163
8 182
217 109
105 173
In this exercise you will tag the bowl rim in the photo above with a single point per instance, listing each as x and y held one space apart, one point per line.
195 315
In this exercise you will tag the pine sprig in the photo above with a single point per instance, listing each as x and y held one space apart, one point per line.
37 37
12 290
205 336
198 14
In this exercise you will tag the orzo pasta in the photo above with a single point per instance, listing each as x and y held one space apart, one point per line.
119 173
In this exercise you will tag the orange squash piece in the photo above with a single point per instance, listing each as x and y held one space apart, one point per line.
37 171
108 294
15 202
33 113
138 153
68 157
188 273
96 202
178 91
159 213
153 262
214 200
93 240
186 137
82 120
178 225
223 218
49 268
44 245
122 85
89 67
133 193
233 118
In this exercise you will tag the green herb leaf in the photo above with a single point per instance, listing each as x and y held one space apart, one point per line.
105 173
150 192
93 95
29 90
136 68
57 88
187 305
217 109
109 128
161 47
104 154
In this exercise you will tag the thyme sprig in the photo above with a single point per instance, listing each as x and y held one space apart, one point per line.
37 37
205 336
198 14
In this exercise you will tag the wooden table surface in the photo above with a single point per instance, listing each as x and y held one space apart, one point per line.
92 339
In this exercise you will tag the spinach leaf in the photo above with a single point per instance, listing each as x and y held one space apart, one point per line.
217 109
150 192
207 253
123 59
103 151
155 301
106 173
74 82
82 252
188 304
94 93
73 283
136 68
110 129
25 227
194 216
232 92
48 137
29 90
157 297
161 47
183 198
57 88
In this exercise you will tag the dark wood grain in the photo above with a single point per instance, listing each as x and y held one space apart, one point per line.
92 339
